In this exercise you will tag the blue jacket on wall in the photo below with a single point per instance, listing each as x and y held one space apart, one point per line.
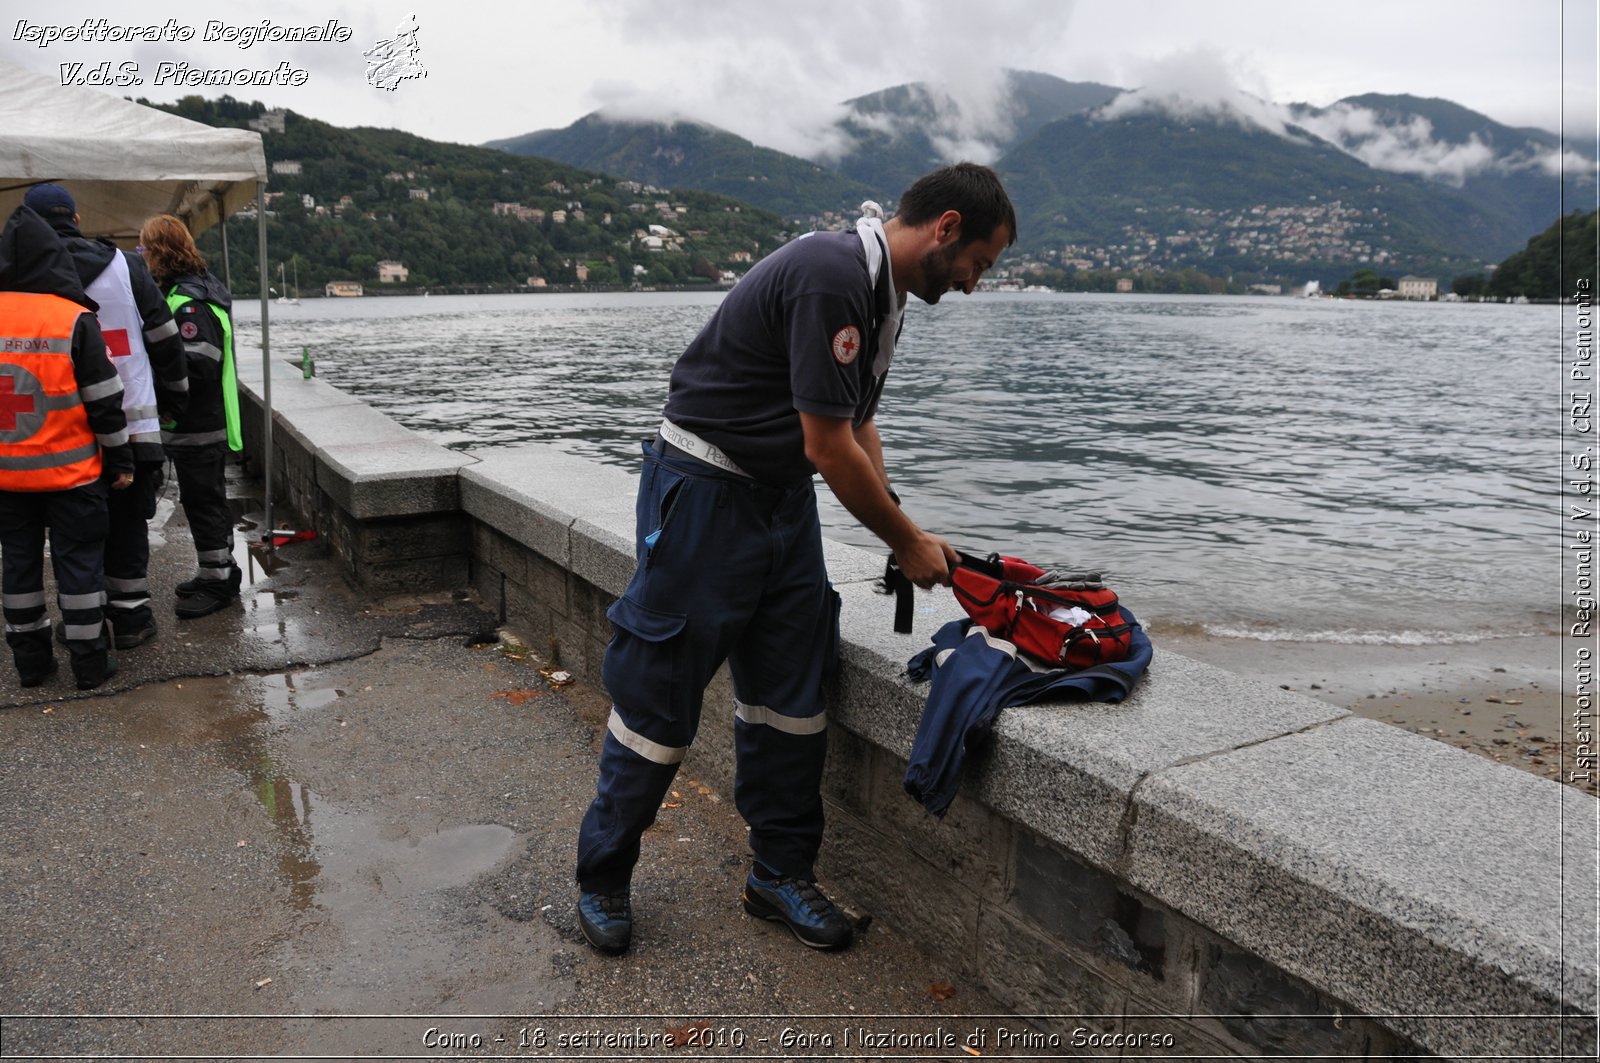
975 675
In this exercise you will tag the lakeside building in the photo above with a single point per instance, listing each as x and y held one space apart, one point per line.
342 289
1419 287
390 272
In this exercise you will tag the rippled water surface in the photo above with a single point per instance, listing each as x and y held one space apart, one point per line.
1273 467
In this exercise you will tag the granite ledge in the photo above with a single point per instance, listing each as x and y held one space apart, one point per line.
576 512
367 462
403 478
1402 874
291 391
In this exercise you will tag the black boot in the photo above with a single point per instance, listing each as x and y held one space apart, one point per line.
36 671
208 596
33 655
93 662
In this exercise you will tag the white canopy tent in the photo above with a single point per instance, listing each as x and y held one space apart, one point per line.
121 161
124 162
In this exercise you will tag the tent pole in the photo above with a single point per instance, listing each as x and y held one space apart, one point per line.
227 265
266 363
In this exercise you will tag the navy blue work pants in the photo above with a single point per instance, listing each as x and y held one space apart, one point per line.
203 493
76 521
128 549
728 570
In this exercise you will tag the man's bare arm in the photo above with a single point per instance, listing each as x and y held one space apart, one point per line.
860 484
867 436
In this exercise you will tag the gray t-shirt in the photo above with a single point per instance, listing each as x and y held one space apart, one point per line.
799 332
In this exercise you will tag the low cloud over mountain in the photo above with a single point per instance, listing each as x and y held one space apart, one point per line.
1396 137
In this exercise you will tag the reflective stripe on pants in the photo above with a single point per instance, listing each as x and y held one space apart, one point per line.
128 549
203 493
76 523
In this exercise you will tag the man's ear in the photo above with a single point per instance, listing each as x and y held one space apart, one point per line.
948 228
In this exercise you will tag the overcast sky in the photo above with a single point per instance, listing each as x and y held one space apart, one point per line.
775 70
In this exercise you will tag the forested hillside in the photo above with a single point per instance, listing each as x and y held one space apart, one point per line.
363 196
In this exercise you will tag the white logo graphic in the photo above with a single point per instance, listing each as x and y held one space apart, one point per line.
392 61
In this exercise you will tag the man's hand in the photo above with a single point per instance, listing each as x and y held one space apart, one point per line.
927 560
122 481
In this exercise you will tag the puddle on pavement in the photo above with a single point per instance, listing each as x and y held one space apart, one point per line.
253 556
285 693
339 860
253 559
332 858
289 804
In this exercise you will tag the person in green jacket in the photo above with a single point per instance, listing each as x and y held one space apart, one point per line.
199 440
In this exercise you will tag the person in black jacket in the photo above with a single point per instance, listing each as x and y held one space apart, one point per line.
199 440
61 427
142 339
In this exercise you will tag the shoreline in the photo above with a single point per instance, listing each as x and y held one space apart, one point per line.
1500 698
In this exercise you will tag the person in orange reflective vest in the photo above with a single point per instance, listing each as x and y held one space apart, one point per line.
61 427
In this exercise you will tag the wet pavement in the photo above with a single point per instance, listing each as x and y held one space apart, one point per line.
321 826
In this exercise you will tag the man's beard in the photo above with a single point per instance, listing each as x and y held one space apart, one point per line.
936 271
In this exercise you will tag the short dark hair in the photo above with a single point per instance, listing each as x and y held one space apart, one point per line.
973 191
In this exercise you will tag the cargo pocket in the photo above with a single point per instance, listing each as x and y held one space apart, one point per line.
643 665
657 511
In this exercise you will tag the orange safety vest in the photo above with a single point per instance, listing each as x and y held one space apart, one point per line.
45 440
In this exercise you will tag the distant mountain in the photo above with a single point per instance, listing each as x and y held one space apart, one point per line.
1451 122
1393 182
922 120
1153 191
693 155
920 116
1507 171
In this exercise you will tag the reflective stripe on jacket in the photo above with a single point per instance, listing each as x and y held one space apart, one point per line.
230 377
45 440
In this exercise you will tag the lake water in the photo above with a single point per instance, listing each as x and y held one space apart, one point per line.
1280 468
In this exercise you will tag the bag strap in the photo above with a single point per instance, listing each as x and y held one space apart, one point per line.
899 584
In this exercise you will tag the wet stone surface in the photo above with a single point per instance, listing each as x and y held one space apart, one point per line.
311 807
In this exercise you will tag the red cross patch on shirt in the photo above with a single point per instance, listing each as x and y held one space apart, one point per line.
846 344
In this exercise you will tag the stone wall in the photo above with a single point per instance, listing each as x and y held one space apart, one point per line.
1250 871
